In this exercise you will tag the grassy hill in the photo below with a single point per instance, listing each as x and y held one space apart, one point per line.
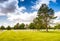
22 35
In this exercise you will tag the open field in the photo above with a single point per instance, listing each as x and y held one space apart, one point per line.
27 35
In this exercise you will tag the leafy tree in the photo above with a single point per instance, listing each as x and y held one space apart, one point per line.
32 26
8 28
16 26
44 16
2 27
22 26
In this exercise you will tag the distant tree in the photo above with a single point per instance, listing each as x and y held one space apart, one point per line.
8 28
2 27
16 26
22 26
57 26
32 26
44 16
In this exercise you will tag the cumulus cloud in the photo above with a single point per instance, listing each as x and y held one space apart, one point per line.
17 14
23 17
8 7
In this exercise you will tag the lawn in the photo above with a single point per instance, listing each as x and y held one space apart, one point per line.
22 35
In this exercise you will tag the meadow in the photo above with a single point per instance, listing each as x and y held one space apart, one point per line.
29 35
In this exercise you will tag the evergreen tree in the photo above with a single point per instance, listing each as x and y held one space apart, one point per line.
44 16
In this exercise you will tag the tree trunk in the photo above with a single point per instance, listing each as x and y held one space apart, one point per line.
46 29
46 25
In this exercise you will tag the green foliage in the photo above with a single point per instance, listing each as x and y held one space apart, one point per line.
19 26
32 26
8 28
57 26
16 26
44 16
2 27
22 26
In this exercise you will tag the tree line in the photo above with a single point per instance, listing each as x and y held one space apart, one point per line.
30 26
44 17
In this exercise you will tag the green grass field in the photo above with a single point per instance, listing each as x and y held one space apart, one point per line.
20 35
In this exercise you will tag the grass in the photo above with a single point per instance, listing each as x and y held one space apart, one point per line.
22 35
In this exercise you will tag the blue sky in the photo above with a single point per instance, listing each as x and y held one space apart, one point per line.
55 6
24 11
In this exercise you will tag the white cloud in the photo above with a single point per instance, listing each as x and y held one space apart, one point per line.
57 20
21 9
22 17
53 0
19 15
22 0
8 24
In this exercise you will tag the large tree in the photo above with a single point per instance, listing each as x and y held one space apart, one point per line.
44 16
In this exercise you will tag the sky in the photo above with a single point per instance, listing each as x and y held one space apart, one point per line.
24 11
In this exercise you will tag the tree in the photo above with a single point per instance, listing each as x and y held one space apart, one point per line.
22 26
8 28
57 26
2 27
44 16
16 26
31 26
